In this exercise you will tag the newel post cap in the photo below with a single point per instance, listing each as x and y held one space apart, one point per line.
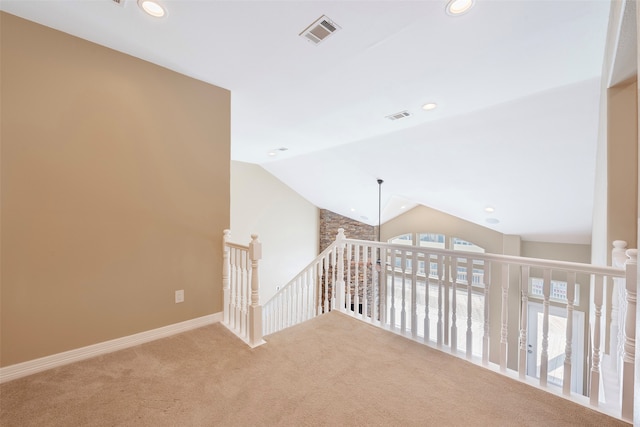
632 254
619 244
255 248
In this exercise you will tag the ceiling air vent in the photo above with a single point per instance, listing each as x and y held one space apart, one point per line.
398 116
118 2
322 28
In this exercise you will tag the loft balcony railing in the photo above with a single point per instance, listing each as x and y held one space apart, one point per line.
424 294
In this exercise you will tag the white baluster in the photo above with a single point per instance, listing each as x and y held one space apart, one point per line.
414 301
544 353
487 334
571 288
446 306
441 276
524 291
366 262
382 286
349 285
392 310
356 291
297 299
504 330
225 275
375 284
427 273
628 361
280 313
246 269
332 287
454 305
237 290
318 286
595 355
311 291
469 303
240 289
403 312
327 275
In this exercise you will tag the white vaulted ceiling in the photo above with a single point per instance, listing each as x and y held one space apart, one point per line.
517 84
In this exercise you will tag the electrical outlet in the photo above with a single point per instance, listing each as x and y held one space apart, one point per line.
180 296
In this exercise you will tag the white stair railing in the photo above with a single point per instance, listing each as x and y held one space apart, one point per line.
424 294
242 312
309 294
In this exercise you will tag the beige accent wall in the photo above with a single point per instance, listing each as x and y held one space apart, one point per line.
115 192
622 157
557 251
285 222
422 219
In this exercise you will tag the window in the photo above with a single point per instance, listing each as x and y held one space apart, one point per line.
462 245
558 290
405 239
430 240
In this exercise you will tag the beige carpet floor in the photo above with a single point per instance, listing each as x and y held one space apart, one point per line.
330 371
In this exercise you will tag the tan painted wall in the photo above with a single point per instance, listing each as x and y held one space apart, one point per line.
622 157
286 224
115 192
557 251
422 219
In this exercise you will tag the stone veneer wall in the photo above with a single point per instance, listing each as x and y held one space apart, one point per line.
330 222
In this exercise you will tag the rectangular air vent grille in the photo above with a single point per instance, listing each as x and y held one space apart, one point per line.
322 28
398 116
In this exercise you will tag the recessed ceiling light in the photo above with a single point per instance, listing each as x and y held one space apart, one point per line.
430 106
402 207
152 7
353 209
275 151
459 7
489 209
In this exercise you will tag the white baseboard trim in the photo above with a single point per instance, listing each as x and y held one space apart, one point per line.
30 367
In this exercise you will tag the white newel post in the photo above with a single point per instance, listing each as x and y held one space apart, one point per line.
628 360
255 310
225 276
340 284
